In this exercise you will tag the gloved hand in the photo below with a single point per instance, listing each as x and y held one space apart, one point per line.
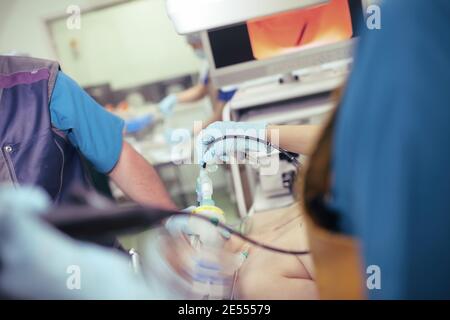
210 152
179 224
168 104
38 262
137 124
185 271
187 226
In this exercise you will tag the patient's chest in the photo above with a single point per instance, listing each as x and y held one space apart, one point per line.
290 238
265 270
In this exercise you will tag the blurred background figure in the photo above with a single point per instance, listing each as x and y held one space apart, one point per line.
204 88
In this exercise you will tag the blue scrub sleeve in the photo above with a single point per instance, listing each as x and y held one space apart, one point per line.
97 133
226 95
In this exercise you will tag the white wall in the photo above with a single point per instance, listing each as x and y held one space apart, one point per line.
22 24
125 45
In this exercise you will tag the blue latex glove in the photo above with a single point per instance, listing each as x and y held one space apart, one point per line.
38 262
168 104
138 124
210 153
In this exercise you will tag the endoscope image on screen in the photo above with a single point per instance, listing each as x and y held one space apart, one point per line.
300 29
336 21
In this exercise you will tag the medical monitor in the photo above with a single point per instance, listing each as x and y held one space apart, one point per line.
283 43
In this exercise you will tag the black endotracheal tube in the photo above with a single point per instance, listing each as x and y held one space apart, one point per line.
249 240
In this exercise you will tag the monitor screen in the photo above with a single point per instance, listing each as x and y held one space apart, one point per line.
285 33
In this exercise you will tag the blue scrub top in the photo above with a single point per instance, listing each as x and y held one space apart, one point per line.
391 157
97 133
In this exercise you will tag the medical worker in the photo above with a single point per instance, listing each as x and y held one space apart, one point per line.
49 127
388 176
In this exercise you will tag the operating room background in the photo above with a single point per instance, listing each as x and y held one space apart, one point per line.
150 60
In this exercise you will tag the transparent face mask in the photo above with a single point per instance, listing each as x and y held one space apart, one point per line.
200 53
